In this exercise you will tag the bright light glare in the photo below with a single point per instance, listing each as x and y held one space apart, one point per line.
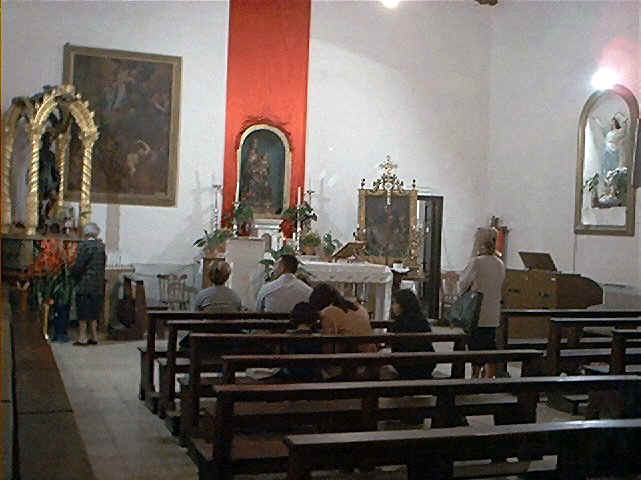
390 3
604 78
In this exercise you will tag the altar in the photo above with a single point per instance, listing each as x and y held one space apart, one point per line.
377 279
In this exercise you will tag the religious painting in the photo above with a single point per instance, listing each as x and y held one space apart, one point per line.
264 170
136 98
387 223
606 156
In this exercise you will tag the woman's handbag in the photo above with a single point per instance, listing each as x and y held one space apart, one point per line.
465 311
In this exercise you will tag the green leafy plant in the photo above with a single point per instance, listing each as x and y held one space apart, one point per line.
304 213
214 239
330 244
243 213
310 239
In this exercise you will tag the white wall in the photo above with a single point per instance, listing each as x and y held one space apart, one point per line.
410 82
542 59
33 37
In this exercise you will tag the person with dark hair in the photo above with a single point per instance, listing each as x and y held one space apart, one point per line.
218 297
282 294
408 318
339 316
305 321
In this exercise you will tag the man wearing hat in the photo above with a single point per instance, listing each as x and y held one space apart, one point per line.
89 275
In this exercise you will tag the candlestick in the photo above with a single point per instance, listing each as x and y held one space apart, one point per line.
298 196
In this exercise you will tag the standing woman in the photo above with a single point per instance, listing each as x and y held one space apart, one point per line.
89 275
485 273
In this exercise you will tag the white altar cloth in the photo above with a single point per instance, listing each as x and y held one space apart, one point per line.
378 276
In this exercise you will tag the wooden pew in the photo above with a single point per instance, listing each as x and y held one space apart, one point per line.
169 368
620 339
151 351
570 355
232 364
431 453
249 455
267 344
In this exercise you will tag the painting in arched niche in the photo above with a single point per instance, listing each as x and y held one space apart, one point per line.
264 169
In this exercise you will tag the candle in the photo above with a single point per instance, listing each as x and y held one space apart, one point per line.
299 192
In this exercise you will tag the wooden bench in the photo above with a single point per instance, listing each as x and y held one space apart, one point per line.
225 453
530 360
268 344
508 313
151 351
569 356
147 390
431 453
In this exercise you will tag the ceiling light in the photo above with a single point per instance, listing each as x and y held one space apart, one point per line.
604 78
390 3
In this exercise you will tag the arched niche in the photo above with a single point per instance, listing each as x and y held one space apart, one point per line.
35 112
264 163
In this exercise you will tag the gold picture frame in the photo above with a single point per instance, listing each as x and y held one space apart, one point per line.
136 97
387 224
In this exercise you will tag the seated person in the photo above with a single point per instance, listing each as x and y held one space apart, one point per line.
218 297
282 294
339 316
304 319
408 318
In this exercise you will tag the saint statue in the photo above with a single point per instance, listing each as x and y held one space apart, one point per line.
255 189
48 180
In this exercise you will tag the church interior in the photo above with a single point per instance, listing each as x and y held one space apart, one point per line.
373 142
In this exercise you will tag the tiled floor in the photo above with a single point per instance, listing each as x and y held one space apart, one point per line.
123 439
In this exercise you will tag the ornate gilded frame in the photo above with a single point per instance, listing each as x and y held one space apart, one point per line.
168 197
630 149
288 164
36 110
390 187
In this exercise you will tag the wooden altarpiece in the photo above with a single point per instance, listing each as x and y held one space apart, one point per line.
65 104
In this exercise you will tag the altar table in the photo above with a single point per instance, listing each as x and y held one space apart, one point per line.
377 277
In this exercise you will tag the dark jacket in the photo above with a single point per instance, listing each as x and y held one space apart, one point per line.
89 270
413 324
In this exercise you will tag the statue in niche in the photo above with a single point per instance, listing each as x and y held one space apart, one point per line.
608 186
48 181
262 172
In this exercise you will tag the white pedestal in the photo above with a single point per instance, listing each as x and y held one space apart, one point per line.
243 254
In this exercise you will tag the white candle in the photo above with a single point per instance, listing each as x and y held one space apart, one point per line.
299 192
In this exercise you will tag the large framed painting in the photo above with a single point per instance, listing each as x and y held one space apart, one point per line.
136 97
264 161
607 145
387 223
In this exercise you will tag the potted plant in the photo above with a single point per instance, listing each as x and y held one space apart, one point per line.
244 217
213 243
309 242
303 213
330 244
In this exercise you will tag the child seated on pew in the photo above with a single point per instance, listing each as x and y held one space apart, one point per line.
305 319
